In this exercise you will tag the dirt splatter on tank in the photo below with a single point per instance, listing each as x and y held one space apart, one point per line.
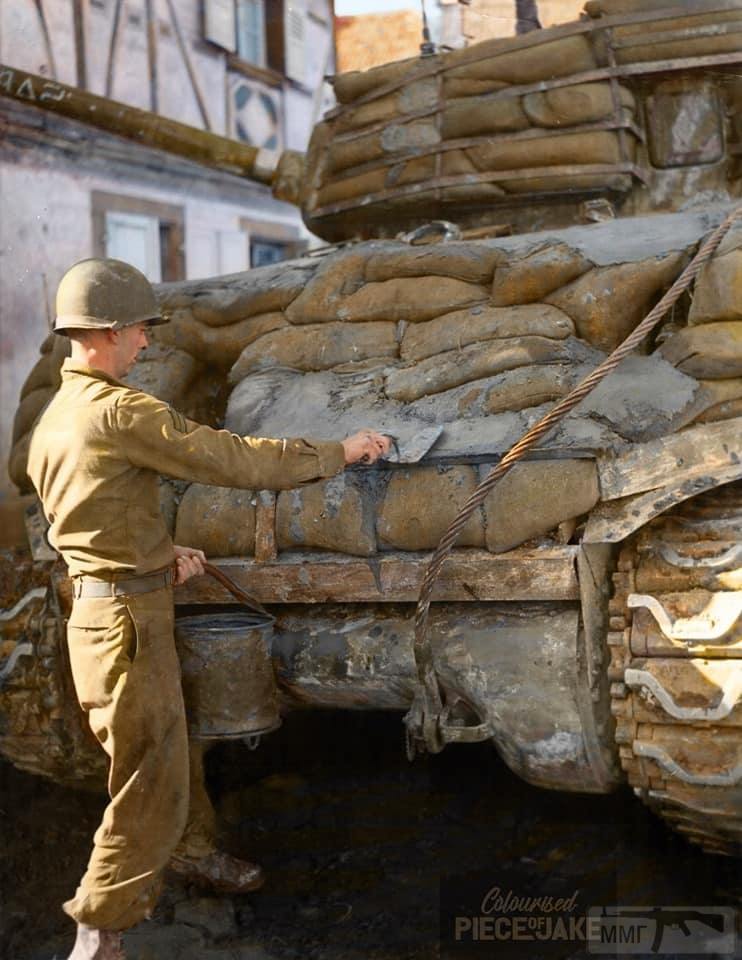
589 615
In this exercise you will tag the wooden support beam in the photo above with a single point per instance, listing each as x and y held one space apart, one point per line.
266 549
154 98
81 60
545 574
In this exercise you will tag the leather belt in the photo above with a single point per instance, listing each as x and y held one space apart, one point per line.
86 587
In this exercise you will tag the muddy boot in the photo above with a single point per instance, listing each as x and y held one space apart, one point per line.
94 944
220 872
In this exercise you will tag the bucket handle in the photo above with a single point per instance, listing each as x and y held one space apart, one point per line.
236 591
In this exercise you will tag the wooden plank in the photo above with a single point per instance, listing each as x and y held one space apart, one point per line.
547 574
695 452
78 19
195 86
266 549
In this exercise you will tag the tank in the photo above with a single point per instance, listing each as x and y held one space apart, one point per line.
499 218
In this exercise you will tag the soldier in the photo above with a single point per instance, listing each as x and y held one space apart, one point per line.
94 459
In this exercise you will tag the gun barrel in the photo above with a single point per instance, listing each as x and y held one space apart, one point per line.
149 129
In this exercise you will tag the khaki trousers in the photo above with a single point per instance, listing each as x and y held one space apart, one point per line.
127 678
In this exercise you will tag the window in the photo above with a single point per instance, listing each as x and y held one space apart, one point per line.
135 239
251 44
263 252
268 34
145 233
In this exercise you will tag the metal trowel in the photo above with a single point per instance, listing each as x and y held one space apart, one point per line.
412 447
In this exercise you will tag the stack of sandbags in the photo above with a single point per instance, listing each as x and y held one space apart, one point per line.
480 337
460 122
710 347
40 386
697 28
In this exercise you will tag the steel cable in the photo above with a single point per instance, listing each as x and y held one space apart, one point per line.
422 649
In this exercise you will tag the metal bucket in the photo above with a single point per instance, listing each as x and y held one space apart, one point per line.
229 686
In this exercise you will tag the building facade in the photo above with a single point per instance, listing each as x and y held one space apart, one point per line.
249 69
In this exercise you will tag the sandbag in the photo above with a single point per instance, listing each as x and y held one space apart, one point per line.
28 410
317 347
712 351
515 390
218 520
455 330
535 497
529 64
720 400
357 83
336 277
550 150
472 116
331 514
335 190
474 263
267 289
478 360
547 183
606 303
471 189
405 299
581 103
170 497
218 347
17 462
419 504
419 95
165 372
393 138
454 87
718 291
40 377
707 41
721 411
529 279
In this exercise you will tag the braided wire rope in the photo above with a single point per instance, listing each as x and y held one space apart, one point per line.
424 715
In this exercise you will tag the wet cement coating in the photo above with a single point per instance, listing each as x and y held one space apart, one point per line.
367 856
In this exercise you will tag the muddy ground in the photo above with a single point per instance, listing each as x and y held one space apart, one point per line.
367 856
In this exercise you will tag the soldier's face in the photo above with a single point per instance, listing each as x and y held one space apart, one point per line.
130 342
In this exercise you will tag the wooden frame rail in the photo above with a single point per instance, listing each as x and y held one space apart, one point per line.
545 574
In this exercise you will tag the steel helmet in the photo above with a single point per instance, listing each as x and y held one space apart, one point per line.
104 294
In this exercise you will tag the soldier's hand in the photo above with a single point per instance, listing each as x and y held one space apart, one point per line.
366 446
188 563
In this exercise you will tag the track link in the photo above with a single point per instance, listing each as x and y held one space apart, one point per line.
675 637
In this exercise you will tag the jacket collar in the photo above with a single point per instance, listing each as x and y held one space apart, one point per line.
69 368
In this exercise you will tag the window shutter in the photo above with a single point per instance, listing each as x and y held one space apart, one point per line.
295 27
219 23
274 34
232 251
135 239
251 31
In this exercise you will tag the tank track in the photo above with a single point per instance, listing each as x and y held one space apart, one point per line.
675 637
